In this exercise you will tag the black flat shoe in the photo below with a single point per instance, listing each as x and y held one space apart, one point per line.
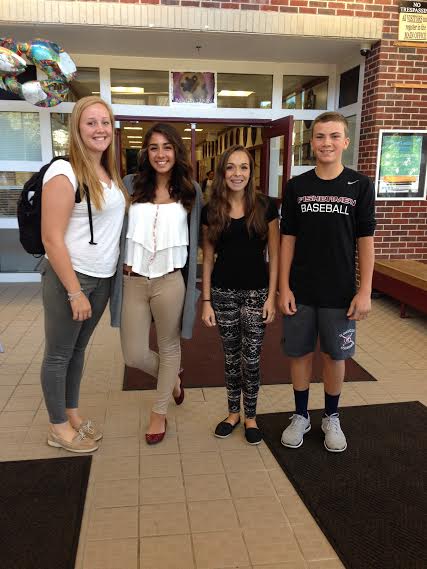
224 429
253 435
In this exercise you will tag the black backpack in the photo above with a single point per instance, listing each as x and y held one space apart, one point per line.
29 211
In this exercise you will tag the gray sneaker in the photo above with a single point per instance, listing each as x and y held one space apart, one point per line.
335 440
293 435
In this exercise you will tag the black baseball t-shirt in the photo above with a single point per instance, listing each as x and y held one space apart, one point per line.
240 262
327 217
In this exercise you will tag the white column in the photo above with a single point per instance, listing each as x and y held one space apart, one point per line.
105 83
275 169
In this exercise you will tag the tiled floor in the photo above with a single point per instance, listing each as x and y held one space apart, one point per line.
192 502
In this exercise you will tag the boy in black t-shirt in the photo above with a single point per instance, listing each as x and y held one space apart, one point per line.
327 213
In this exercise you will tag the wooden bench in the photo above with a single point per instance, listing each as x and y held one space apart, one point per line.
404 280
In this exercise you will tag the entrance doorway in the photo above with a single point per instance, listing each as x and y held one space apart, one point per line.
269 143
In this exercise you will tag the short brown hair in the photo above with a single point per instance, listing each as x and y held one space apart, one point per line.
330 116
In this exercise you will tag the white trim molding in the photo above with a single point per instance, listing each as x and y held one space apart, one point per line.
20 278
109 14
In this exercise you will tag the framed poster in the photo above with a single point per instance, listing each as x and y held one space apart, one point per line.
401 165
192 87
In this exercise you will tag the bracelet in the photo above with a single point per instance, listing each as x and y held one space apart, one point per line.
73 295
206 299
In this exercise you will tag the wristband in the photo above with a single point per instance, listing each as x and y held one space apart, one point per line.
73 295
206 300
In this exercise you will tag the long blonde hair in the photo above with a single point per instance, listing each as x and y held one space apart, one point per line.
79 158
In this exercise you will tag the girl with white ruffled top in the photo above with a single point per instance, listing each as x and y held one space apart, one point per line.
160 253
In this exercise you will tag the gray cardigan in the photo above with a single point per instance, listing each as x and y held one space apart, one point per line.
189 272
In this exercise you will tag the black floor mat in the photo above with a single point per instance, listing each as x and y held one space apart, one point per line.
370 501
41 509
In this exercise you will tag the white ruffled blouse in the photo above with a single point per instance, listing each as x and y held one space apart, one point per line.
157 238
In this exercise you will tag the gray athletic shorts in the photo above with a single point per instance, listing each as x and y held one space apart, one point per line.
336 332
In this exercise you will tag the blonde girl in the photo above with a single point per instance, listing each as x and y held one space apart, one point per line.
81 258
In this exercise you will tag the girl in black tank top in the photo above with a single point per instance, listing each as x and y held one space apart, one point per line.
239 290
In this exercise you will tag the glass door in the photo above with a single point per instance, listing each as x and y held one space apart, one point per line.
276 156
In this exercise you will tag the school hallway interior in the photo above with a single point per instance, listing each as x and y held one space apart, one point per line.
222 503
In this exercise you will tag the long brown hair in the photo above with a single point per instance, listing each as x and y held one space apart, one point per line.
255 203
181 187
79 158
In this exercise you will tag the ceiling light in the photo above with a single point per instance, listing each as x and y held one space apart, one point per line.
196 129
128 90
132 127
96 92
129 136
225 93
186 137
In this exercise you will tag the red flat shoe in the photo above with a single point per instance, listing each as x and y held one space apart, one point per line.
154 438
180 398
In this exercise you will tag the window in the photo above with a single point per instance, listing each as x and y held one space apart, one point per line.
11 184
348 157
349 87
30 74
20 136
86 83
60 135
301 148
304 92
13 258
244 91
135 87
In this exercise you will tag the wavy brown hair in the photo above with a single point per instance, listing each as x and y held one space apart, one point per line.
80 161
181 187
255 203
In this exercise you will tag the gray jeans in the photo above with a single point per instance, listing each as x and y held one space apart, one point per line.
66 340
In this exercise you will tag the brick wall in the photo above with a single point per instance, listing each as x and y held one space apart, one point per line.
402 226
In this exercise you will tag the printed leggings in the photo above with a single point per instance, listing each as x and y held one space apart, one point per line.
241 327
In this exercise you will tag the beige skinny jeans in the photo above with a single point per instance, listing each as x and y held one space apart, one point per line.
163 299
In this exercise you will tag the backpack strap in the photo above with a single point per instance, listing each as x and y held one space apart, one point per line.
89 212
78 200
